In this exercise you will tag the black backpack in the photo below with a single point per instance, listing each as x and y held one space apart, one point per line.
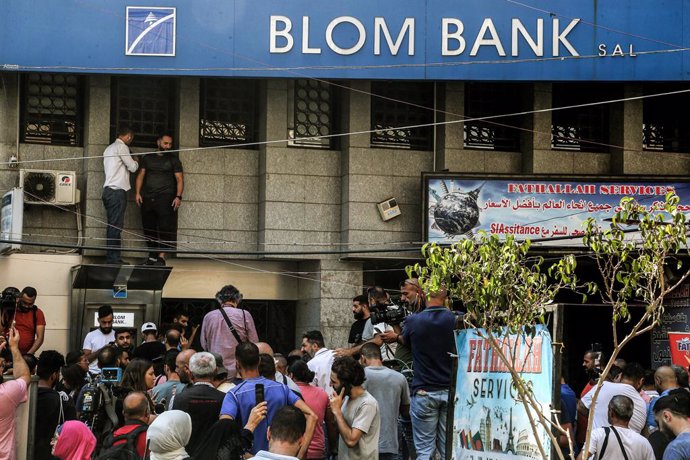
126 450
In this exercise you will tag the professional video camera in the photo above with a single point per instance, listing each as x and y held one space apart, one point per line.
393 312
8 298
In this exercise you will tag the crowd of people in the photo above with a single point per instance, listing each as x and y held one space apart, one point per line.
149 394
638 414
237 398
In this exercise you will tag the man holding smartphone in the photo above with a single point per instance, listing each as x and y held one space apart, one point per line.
358 419
254 389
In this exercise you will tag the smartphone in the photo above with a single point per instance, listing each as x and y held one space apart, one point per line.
348 389
259 392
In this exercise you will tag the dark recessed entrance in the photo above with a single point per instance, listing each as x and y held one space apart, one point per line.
274 319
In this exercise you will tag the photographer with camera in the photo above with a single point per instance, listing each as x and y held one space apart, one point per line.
381 313
19 310
591 363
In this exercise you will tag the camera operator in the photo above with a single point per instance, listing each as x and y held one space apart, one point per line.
591 363
381 311
25 316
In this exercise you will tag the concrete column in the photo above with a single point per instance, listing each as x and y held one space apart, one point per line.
325 304
188 129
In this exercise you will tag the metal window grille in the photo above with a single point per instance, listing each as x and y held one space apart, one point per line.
146 105
582 128
490 99
402 104
228 111
665 127
52 109
274 319
311 113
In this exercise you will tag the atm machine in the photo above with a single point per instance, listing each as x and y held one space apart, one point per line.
134 292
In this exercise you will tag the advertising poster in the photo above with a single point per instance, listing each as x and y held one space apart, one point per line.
548 211
489 423
680 348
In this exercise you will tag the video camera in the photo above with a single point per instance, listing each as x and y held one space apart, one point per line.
111 375
8 298
392 313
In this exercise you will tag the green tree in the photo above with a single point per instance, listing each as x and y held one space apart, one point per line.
632 256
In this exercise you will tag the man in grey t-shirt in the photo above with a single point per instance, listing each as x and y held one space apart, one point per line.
390 390
357 418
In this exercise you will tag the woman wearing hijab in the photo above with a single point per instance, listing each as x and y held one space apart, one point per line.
75 441
169 434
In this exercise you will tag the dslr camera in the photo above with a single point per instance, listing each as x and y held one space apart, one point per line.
392 313
8 298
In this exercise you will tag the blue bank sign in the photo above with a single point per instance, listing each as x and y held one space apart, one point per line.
624 40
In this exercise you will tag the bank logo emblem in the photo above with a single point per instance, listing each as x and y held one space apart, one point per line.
150 31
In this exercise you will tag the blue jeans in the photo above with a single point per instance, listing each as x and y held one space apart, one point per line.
115 202
429 411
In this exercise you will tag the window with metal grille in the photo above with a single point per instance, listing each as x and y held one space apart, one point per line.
311 113
489 100
581 128
52 109
228 111
145 104
397 105
665 126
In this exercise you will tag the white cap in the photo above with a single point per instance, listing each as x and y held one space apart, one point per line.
147 327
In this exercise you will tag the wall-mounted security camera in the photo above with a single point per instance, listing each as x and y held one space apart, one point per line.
389 209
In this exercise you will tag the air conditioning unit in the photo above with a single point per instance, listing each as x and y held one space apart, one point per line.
48 187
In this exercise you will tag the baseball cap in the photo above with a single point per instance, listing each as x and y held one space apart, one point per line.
220 369
148 327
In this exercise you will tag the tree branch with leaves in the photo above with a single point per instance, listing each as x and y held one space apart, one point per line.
633 256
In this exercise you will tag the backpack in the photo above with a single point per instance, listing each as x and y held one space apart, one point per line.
97 407
123 451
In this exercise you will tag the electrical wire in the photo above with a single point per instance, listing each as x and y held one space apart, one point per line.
370 131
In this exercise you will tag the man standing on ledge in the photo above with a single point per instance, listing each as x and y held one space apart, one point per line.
159 188
117 164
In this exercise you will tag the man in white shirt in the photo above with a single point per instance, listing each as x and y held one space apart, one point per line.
616 441
117 164
321 359
99 338
631 380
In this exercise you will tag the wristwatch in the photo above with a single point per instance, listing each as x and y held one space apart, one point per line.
179 197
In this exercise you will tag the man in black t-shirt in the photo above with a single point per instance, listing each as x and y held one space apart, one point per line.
201 401
360 310
49 403
152 349
159 188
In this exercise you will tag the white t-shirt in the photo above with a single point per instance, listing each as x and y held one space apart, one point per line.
94 341
370 330
636 446
608 391
321 365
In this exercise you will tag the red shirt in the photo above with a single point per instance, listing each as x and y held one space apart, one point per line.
141 439
317 400
26 327
582 419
